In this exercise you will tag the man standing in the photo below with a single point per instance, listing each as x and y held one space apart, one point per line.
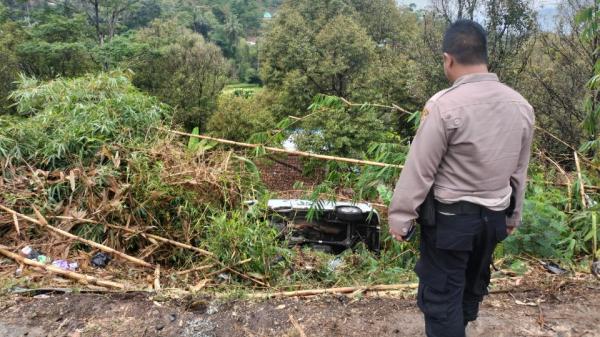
471 153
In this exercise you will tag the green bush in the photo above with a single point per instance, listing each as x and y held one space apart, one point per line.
67 121
239 116
180 68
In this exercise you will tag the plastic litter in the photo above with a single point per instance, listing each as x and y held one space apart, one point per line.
42 259
65 265
30 253
596 268
101 260
553 268
335 264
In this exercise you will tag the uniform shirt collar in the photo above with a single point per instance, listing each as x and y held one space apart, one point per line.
479 77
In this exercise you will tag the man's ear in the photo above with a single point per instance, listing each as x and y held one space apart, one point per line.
448 60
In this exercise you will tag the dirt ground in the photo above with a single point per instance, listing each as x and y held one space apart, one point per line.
572 310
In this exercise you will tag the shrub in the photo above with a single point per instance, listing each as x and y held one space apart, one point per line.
240 116
68 121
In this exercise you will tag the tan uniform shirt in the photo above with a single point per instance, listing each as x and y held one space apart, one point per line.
473 143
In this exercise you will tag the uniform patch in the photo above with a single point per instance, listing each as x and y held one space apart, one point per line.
424 114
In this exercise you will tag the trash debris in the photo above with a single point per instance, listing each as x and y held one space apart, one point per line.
101 260
42 259
596 268
65 265
553 268
30 253
335 264
224 277
41 296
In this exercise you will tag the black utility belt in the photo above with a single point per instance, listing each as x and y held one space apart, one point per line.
461 207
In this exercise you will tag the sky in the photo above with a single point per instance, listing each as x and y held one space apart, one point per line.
547 10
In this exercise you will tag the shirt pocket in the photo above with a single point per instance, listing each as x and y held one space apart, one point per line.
453 120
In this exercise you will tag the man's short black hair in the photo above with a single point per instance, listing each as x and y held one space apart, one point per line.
466 40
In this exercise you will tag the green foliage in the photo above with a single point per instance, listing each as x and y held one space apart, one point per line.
236 236
336 129
240 116
589 18
10 36
69 120
542 232
58 46
181 69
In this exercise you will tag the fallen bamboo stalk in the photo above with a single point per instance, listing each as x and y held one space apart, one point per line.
343 290
66 273
580 178
350 290
182 245
160 238
77 238
291 152
584 159
192 270
133 231
225 268
297 326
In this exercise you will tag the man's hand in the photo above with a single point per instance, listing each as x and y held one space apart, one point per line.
396 235
510 230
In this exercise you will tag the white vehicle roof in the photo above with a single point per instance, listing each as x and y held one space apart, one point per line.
299 204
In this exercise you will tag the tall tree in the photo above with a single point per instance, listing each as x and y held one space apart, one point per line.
182 69
106 15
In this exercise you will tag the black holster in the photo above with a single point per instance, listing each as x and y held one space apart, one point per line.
427 210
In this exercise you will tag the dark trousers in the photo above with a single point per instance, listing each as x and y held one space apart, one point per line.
454 267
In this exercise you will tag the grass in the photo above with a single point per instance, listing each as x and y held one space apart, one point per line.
246 88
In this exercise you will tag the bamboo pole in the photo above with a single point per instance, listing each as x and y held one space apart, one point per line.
133 231
278 150
80 239
182 245
192 270
297 326
579 177
343 290
165 240
66 273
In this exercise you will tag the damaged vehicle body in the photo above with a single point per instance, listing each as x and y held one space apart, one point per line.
325 225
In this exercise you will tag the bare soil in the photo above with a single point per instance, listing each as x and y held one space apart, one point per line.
569 310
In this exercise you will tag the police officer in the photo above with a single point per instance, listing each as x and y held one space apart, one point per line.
469 158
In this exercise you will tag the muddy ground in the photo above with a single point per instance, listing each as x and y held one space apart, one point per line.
572 310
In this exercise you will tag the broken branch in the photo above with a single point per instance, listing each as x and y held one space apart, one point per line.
343 290
275 149
75 237
55 270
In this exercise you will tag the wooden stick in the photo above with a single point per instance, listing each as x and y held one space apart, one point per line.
132 231
579 177
201 268
587 161
297 326
157 278
75 237
343 290
291 152
16 222
160 238
392 107
66 273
